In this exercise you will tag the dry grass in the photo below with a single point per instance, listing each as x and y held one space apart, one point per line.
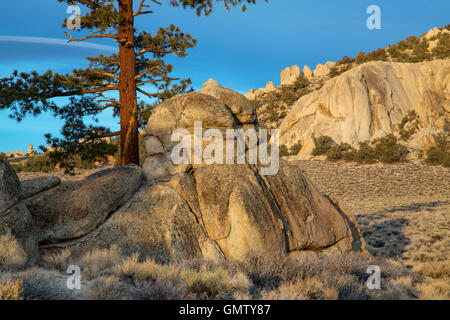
215 284
10 289
308 289
104 288
57 261
99 261
41 284
148 270
12 256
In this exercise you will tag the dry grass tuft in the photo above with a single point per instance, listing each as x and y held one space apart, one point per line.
104 288
12 256
215 284
148 270
10 289
99 261
57 261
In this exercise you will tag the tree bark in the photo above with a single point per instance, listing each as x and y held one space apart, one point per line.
129 139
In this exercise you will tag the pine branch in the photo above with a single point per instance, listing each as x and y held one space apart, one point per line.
112 36
141 7
156 81
150 95
107 74
102 89
145 72
141 52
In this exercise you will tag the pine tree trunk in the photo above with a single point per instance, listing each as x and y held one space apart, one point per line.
129 143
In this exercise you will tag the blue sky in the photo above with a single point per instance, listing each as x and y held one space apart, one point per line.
240 50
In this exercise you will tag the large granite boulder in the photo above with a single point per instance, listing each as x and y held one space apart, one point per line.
215 107
76 208
225 212
242 108
14 215
37 185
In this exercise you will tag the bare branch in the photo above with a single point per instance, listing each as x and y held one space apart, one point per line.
157 51
150 95
107 74
145 72
142 6
102 89
156 80
113 102
111 134
90 37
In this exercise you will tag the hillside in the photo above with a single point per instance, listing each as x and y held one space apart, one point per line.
274 103
370 101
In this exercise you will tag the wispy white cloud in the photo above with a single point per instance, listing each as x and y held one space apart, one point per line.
60 42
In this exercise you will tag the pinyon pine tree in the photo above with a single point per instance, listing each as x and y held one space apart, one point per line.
139 62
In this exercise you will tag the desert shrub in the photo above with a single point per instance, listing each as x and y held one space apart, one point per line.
10 289
295 148
435 290
441 51
323 145
288 96
388 150
284 151
334 72
3 156
148 270
98 261
365 153
308 289
219 283
437 156
39 284
157 290
345 60
41 163
104 288
12 256
337 152
57 261
443 141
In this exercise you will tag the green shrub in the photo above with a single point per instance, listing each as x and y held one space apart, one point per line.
41 163
365 153
337 152
295 149
323 145
388 150
288 97
437 156
443 142
284 152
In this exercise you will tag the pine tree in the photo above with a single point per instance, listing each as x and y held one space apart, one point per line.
139 61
